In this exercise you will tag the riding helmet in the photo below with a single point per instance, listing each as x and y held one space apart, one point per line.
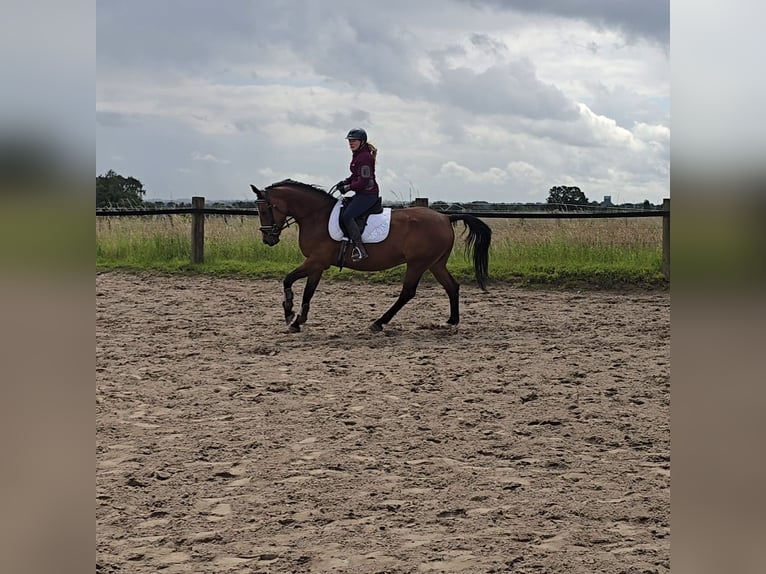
357 134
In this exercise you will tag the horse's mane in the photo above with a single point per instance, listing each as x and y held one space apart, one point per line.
306 186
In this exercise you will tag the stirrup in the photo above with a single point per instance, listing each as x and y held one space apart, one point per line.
357 254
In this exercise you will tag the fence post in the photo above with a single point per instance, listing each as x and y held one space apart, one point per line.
421 202
666 239
198 230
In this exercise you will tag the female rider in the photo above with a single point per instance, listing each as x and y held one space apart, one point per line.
362 183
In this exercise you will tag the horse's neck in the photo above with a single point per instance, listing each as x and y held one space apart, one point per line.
305 207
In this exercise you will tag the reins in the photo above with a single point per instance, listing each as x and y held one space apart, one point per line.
267 208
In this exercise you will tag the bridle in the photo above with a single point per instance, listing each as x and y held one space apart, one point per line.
266 207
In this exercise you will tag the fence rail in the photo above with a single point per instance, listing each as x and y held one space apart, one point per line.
198 211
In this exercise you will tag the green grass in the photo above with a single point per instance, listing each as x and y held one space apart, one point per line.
605 253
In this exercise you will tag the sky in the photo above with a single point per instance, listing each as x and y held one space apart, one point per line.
476 100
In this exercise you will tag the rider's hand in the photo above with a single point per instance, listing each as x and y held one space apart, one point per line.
341 185
348 194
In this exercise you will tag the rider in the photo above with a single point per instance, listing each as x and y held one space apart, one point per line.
362 183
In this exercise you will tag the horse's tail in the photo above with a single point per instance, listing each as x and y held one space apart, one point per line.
479 237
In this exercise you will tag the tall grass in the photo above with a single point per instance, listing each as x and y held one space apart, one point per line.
598 252
604 252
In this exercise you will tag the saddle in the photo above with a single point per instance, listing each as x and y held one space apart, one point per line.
361 221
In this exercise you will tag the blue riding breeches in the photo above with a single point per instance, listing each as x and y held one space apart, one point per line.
358 205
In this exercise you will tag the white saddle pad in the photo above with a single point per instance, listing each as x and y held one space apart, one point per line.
375 231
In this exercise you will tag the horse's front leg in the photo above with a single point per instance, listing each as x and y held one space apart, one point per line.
308 293
290 278
313 270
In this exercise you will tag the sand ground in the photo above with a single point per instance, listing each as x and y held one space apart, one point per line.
533 438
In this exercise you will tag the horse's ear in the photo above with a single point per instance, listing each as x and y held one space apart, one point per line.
256 191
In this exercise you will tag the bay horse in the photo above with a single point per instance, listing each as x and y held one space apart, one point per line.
419 237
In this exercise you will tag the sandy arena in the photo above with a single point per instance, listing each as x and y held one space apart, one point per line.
534 438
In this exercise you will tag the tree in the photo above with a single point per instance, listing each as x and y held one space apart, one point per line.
565 195
115 190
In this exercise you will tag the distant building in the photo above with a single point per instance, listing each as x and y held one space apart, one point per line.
607 201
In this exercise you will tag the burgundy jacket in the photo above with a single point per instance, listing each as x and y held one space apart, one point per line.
362 179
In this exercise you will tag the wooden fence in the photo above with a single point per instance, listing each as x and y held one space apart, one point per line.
198 212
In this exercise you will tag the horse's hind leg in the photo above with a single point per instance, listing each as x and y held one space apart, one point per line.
409 288
452 288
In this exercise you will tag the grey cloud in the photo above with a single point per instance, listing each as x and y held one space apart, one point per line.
339 121
347 47
306 118
627 107
449 51
648 18
247 126
506 89
386 64
488 43
114 119
378 48
343 43
182 35
377 55
354 117
510 88
452 124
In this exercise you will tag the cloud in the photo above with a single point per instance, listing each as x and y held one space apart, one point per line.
510 88
525 172
648 19
628 106
586 130
492 176
520 171
208 157
114 119
652 133
274 176
512 97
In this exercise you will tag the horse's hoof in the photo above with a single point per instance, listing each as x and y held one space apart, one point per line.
376 328
289 318
294 329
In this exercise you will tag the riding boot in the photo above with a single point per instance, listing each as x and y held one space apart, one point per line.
359 252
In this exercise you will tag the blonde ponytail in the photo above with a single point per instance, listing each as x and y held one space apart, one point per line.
373 151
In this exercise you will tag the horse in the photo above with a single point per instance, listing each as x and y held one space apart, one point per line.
419 237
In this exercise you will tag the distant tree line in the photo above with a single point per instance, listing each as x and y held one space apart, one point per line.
114 190
563 197
560 198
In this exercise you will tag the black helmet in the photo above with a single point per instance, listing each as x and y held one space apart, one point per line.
357 134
